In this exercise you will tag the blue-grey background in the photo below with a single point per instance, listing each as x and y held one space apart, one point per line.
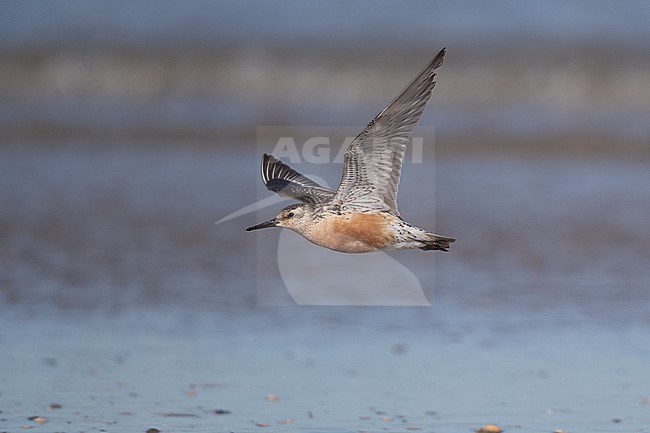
128 128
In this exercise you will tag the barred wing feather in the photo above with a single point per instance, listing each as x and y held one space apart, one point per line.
372 164
287 182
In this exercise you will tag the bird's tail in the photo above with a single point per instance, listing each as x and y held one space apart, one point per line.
437 243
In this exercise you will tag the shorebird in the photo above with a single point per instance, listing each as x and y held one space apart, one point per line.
361 215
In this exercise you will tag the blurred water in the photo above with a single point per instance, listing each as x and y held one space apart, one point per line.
129 373
155 23
124 302
161 71
116 227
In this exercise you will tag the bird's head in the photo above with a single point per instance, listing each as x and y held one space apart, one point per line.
291 217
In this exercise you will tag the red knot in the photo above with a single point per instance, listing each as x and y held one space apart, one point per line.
361 215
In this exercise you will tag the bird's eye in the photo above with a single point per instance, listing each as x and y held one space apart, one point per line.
290 214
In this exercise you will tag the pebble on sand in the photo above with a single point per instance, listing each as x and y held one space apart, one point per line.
489 428
177 415
285 421
38 419
153 430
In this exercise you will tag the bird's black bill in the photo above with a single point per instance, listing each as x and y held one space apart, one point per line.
264 225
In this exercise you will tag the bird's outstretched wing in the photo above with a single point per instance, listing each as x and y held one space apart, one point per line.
373 162
287 182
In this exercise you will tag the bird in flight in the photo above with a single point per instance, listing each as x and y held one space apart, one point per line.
361 215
